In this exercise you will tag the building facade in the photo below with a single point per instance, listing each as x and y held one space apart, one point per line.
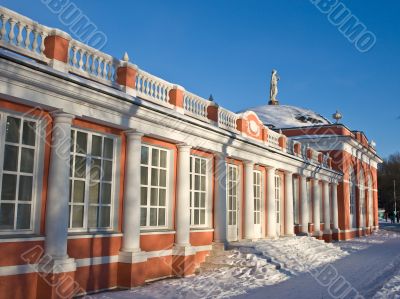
111 177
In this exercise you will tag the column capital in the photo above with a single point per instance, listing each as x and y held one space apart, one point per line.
184 147
288 172
60 116
248 163
133 134
271 168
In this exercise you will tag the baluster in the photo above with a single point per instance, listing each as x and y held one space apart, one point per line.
87 66
109 74
100 60
167 94
93 64
3 27
162 91
81 54
74 60
35 40
42 38
104 71
138 82
19 36
147 90
11 34
28 36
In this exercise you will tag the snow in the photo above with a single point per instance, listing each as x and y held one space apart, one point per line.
284 116
287 268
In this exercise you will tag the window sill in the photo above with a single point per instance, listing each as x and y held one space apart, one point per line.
12 237
89 235
201 229
157 232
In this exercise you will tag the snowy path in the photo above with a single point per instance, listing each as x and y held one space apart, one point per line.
373 262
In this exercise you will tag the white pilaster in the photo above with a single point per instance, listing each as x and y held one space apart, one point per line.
316 207
271 209
327 209
304 205
182 210
131 220
249 200
58 191
335 208
220 210
289 223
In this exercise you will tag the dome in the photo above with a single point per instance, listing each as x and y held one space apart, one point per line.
284 116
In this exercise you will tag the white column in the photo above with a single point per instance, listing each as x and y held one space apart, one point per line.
58 188
131 220
304 205
289 223
271 209
220 210
316 207
249 200
327 209
182 210
335 207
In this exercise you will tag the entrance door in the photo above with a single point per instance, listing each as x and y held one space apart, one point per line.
278 204
257 175
232 198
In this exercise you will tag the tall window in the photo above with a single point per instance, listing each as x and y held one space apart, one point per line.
19 148
278 198
321 203
233 183
91 180
352 191
309 200
370 202
257 179
198 191
296 200
362 199
154 190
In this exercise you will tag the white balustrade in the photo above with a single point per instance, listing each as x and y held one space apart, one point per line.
273 139
290 146
195 105
152 88
227 119
88 62
21 35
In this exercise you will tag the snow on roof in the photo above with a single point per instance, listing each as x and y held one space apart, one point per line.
284 116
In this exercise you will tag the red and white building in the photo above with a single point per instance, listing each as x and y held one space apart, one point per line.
111 176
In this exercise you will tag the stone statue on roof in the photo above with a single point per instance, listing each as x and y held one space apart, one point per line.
273 88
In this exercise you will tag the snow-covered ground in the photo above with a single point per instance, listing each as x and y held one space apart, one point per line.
281 269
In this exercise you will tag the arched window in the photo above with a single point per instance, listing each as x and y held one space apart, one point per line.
362 207
352 192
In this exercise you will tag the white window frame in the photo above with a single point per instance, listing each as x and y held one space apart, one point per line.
168 188
321 202
37 174
258 196
352 199
229 193
207 177
114 202
296 190
309 201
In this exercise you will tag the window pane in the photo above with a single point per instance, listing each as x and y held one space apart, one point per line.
95 169
94 192
27 160
77 216
10 158
153 216
107 167
106 193
25 188
163 159
108 148
202 217
143 216
143 196
9 187
196 182
80 167
197 165
154 197
28 134
24 216
92 217
196 199
203 184
162 196
203 200
154 177
104 216
79 191
144 155
81 143
203 166
12 129
6 216
143 175
154 157
161 217
163 178
96 145
196 216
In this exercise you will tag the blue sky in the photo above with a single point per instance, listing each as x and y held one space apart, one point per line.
228 48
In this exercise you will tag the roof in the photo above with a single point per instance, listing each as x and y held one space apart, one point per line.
284 116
